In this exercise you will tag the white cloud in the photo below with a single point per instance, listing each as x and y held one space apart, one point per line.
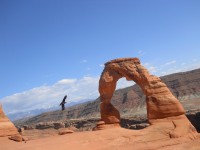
140 53
183 66
122 83
170 62
49 96
152 69
66 81
101 65
191 66
44 96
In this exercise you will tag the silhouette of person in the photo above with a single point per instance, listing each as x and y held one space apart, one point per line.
63 102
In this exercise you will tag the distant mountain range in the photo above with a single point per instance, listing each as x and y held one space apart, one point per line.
130 101
22 114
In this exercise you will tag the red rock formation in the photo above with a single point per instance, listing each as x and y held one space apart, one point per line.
6 126
162 106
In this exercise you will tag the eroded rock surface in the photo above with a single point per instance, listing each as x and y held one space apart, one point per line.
164 111
6 126
63 131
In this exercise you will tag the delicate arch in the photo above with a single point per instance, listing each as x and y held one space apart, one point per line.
160 101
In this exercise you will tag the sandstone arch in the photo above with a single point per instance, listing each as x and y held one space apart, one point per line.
162 106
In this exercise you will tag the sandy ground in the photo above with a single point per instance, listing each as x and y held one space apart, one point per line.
109 139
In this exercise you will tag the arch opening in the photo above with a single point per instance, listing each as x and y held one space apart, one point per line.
129 99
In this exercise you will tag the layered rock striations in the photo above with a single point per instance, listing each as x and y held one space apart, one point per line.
6 126
163 108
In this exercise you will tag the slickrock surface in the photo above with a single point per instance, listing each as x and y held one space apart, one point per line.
110 139
6 126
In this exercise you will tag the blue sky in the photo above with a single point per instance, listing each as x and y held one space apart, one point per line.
50 48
